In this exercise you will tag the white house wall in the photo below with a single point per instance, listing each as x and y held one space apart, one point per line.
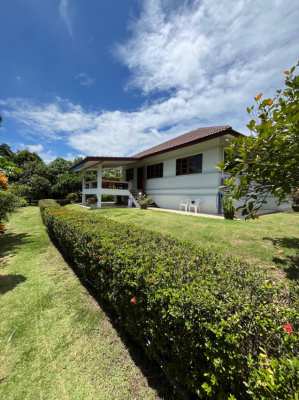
169 191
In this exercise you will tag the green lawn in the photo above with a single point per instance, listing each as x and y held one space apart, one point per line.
271 240
55 341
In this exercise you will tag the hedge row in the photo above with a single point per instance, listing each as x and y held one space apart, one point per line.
217 326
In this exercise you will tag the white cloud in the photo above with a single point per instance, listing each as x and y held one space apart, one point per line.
64 12
35 148
206 60
84 79
38 148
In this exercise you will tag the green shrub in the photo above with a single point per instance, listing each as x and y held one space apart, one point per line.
47 203
8 203
72 197
228 207
20 190
144 201
107 197
21 202
210 321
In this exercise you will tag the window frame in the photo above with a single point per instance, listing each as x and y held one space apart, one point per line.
157 171
132 174
184 165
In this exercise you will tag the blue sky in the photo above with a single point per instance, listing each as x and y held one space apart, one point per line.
113 77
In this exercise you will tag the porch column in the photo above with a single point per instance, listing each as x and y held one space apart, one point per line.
83 189
99 186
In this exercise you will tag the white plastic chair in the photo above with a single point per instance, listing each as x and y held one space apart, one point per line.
195 205
185 204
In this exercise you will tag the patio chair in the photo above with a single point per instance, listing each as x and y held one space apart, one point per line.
195 205
185 204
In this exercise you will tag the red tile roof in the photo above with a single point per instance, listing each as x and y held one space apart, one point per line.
189 138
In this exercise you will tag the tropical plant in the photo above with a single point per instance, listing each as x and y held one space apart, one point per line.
8 201
66 183
3 181
228 206
72 197
144 201
21 190
267 162
11 170
40 187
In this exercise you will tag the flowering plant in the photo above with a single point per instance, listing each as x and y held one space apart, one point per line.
3 181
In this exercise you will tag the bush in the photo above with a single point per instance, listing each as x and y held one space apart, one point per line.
228 207
21 202
40 187
8 202
144 201
72 197
47 203
20 190
215 324
3 181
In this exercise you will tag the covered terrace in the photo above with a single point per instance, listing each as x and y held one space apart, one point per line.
102 186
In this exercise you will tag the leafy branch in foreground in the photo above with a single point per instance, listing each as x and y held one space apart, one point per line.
266 163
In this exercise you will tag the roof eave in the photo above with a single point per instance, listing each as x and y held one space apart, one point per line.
82 165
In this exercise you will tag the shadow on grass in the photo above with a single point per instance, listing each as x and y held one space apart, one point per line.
150 370
9 282
10 242
290 263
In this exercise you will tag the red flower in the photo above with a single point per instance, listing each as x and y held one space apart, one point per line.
288 328
133 300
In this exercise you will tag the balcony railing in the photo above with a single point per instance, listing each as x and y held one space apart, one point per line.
107 184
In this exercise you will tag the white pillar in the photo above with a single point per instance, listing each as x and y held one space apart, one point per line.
83 189
99 186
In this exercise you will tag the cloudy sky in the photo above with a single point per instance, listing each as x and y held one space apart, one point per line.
113 77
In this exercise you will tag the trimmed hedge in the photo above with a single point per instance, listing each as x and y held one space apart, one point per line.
215 324
47 203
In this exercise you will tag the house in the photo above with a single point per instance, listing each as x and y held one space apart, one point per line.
181 168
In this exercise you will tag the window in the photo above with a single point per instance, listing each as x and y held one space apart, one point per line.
189 165
129 174
155 171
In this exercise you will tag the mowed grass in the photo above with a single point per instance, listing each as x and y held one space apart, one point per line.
272 240
55 341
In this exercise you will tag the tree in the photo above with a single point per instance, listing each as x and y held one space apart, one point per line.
66 183
9 168
32 179
6 151
32 168
267 162
58 167
40 187
24 156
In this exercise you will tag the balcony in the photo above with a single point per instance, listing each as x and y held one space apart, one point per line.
115 188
